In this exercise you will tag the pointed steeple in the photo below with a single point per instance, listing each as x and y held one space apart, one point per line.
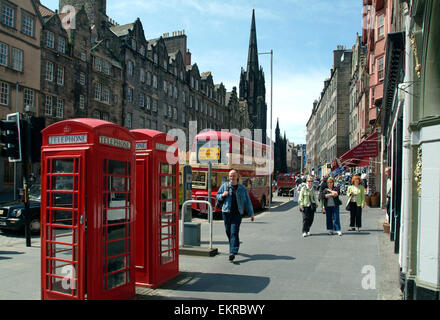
252 86
277 129
252 65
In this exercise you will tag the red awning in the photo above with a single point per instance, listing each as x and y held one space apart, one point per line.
335 164
360 155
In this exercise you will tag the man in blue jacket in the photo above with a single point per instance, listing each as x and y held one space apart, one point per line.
236 202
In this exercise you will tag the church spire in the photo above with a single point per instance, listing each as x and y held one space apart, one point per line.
253 65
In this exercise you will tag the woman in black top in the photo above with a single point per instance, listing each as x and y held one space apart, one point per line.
331 207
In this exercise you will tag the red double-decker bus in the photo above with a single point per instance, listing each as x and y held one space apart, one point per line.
227 151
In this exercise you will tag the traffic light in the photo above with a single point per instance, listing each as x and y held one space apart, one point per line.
10 137
37 124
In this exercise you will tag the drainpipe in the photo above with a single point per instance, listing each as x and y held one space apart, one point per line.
382 190
406 154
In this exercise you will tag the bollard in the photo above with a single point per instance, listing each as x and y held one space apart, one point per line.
185 204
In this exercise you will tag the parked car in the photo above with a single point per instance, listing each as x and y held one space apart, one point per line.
285 183
11 213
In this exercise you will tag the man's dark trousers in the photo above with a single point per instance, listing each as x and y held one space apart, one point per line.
232 227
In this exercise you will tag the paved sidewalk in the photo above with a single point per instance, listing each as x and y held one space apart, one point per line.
274 262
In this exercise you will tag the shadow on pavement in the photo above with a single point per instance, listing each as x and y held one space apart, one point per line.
17 234
284 206
8 253
215 242
220 282
255 257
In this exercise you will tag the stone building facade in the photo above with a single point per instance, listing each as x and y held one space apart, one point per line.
89 66
312 139
20 50
359 127
57 76
20 31
237 116
329 124
149 83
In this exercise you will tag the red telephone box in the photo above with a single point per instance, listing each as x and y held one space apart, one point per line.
87 211
157 208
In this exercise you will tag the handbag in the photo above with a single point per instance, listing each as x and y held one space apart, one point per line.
219 204
348 207
338 201
312 204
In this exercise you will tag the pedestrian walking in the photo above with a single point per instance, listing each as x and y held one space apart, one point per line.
321 188
389 186
331 203
307 205
356 202
236 202
364 180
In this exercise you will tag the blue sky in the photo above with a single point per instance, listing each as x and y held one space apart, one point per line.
302 34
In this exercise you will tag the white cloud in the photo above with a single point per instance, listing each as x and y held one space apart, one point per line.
293 96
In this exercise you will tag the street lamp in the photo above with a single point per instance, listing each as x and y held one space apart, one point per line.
271 107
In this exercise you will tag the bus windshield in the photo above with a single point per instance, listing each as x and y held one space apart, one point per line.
199 179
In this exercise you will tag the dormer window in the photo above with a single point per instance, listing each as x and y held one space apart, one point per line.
130 68
98 64
50 40
61 45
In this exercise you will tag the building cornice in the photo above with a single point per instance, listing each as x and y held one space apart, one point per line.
425 122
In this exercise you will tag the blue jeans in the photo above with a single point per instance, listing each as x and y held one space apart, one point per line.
232 227
332 215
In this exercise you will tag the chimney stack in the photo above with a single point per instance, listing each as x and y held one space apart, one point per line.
188 58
